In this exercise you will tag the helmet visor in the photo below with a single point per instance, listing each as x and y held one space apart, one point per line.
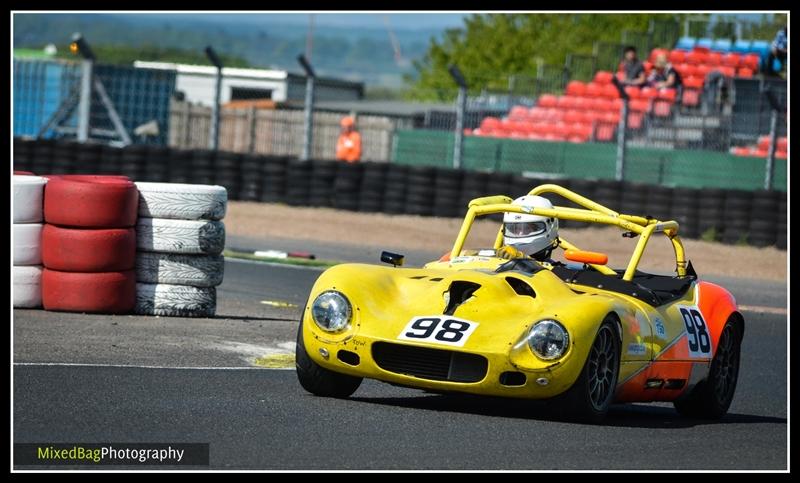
524 229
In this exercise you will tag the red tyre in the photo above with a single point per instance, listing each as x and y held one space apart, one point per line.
24 173
88 250
107 292
89 201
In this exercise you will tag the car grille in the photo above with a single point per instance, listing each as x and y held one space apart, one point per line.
426 363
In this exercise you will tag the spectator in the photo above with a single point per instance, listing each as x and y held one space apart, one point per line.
664 76
633 68
348 147
778 51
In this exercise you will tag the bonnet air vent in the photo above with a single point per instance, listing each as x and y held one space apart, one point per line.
520 287
459 292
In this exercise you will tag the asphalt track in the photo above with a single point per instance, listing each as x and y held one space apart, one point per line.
92 378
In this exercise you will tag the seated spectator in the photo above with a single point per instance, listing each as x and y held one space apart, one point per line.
778 50
633 68
664 76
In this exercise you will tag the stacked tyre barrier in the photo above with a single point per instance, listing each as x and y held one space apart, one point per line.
89 244
28 216
723 215
180 239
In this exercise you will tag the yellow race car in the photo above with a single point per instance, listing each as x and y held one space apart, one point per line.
582 333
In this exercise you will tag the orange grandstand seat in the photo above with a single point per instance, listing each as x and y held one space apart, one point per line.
610 91
744 72
714 58
639 105
751 61
677 57
593 89
696 58
731 59
603 77
576 88
633 92
547 100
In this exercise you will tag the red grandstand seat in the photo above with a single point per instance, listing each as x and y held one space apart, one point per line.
741 151
603 77
731 59
714 58
639 105
692 88
537 113
751 61
585 117
633 92
581 103
576 88
565 102
696 58
693 83
677 57
610 117
635 120
744 72
781 154
610 91
555 114
547 100
668 95
763 142
605 131
656 52
648 66
759 153
783 144
540 128
593 89
701 50
662 107
726 70
582 131
518 112
649 93
602 104
571 116
703 70
490 125
616 105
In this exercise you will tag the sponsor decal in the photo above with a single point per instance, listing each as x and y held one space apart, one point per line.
637 348
438 329
661 331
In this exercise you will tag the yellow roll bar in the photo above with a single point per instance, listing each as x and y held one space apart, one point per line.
591 213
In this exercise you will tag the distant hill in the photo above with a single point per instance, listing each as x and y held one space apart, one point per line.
363 53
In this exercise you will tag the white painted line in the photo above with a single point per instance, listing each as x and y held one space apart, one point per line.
132 366
763 309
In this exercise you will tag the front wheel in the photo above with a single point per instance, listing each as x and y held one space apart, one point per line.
589 399
711 398
320 381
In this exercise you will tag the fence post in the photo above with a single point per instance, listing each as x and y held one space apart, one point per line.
622 127
85 102
213 142
251 118
308 111
461 107
773 138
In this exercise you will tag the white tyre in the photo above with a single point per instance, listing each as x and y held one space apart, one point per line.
28 287
28 196
170 268
182 201
175 300
27 244
191 237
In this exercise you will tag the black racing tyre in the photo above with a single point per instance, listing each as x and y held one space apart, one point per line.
590 397
320 381
711 398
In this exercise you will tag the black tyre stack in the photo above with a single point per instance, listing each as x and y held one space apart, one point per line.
658 203
585 188
133 159
608 192
63 157
227 172
684 210
274 179
711 212
23 155
321 186
179 166
250 177
110 160
347 185
202 167
394 198
87 159
420 187
634 199
780 224
157 163
737 216
447 192
474 184
42 156
373 184
298 175
763 218
500 184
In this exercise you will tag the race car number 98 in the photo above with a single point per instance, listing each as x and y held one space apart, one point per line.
439 330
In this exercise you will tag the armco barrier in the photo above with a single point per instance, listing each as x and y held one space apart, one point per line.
731 215
669 167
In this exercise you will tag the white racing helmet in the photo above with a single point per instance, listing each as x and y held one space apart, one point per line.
530 234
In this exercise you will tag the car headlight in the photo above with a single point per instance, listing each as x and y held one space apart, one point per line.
548 339
331 311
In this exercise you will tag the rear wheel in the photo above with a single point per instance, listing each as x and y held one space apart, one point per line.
711 398
320 381
590 397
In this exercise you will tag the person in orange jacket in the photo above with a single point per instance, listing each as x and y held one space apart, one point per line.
348 147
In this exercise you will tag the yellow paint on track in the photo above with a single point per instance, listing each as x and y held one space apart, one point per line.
275 361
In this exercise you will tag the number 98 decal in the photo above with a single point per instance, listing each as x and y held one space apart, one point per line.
698 338
439 329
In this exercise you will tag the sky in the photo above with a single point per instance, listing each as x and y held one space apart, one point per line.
351 20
